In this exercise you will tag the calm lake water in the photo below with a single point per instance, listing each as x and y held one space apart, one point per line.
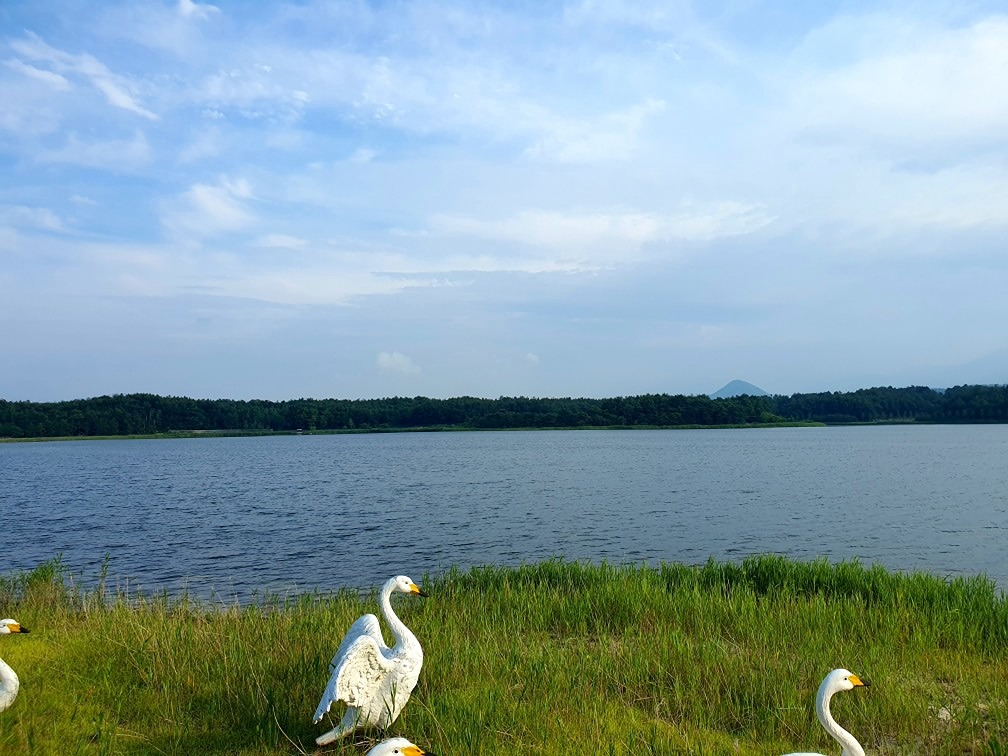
232 517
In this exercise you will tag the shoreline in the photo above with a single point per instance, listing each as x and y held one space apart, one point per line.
418 429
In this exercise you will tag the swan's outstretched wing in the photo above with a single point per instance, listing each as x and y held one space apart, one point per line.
358 676
366 625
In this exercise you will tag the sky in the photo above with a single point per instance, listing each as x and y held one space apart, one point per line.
598 198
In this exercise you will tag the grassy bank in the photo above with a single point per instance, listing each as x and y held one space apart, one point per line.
550 658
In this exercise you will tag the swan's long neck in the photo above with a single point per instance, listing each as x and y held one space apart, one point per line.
847 741
9 685
403 636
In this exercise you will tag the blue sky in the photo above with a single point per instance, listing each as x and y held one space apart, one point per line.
591 198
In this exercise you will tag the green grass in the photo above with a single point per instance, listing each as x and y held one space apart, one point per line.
551 658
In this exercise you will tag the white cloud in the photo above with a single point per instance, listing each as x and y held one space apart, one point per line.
218 206
239 188
532 358
716 220
609 236
253 92
116 89
209 209
396 362
48 77
117 95
913 83
202 11
40 218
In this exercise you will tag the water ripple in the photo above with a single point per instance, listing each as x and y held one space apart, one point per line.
231 517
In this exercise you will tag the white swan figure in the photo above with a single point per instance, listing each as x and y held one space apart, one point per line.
837 680
397 747
373 680
9 682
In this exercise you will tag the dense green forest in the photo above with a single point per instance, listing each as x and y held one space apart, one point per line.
140 414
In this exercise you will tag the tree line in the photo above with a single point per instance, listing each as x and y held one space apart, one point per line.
142 414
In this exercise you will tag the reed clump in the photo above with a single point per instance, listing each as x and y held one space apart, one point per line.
548 658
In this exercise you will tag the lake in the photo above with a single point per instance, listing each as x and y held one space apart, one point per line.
230 518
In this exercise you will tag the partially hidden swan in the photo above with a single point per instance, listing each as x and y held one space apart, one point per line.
9 682
397 747
373 680
836 681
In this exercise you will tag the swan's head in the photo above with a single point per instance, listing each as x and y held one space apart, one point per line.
11 626
403 584
397 747
842 679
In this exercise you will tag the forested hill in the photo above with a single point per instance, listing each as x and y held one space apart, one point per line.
128 414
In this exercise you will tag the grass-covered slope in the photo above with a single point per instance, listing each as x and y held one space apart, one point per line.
549 658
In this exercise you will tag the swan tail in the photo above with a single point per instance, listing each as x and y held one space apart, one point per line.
329 737
347 725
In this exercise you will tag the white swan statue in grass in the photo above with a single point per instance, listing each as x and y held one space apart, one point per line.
836 681
9 683
373 680
397 747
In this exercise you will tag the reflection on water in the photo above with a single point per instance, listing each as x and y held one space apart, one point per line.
290 513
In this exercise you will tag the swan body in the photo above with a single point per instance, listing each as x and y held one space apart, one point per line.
372 679
397 747
9 683
836 681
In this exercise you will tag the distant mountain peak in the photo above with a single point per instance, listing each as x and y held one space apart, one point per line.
737 388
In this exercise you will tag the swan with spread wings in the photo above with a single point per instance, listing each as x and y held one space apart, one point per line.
372 679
